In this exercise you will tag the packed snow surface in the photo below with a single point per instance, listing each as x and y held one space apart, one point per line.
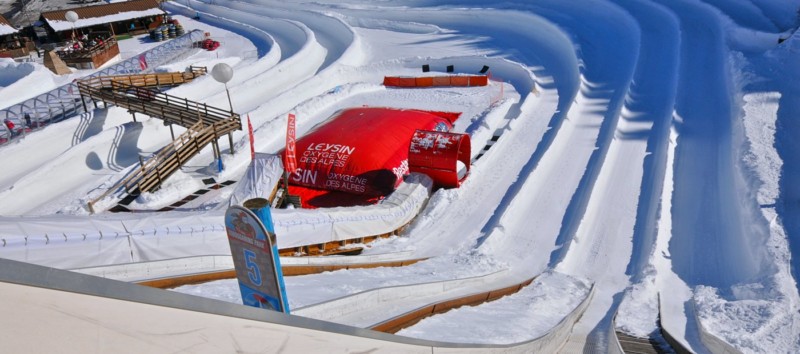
643 149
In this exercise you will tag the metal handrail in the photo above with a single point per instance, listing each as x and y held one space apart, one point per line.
68 97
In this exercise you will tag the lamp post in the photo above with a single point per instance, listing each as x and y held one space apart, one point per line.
223 73
72 16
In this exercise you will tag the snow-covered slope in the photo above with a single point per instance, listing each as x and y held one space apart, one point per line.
647 148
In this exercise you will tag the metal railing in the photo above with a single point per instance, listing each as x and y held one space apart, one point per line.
64 101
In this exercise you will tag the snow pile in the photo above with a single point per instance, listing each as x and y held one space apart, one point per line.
748 315
753 316
11 71
20 81
637 314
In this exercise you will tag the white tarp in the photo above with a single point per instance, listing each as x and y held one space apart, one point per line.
259 180
69 242
84 241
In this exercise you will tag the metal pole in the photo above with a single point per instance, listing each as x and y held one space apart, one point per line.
229 97
286 200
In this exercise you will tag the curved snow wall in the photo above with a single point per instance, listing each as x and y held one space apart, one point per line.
431 81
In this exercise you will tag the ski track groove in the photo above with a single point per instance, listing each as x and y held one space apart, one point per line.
552 213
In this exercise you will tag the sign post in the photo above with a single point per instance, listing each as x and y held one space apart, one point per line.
143 62
289 154
252 139
254 249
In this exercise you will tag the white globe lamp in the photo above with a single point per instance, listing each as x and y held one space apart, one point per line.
223 73
72 16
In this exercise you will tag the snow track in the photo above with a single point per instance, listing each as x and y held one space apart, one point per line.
620 160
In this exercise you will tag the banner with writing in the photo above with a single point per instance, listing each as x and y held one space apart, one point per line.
289 155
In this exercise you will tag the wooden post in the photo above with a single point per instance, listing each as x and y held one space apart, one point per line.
230 141
215 147
171 132
84 104
158 174
199 118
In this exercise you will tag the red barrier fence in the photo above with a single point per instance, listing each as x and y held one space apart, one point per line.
436 81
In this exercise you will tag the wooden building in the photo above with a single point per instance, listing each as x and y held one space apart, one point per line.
129 17
91 40
12 43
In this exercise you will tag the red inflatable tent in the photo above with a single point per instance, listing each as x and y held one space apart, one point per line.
362 152
443 156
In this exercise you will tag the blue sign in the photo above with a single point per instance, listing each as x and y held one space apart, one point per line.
255 257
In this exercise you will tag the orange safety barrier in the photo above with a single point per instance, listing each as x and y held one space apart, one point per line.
441 81
459 81
433 81
391 81
478 80
407 82
424 81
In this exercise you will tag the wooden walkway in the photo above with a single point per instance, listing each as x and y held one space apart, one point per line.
160 79
204 124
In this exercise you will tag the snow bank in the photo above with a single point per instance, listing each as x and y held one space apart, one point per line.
527 314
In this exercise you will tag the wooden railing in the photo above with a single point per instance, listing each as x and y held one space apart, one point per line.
161 79
152 173
204 125
170 159
172 109
86 53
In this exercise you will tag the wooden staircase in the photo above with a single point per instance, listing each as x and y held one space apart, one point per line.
204 124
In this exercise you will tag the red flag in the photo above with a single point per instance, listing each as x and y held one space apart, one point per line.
252 140
289 159
143 62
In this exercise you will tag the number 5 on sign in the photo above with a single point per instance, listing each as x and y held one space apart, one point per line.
255 258
253 273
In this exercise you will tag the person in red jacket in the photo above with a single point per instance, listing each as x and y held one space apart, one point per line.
10 125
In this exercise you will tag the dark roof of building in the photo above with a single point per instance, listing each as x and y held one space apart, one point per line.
102 10
3 21
6 27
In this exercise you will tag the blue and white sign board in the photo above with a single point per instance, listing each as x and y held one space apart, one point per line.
255 257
